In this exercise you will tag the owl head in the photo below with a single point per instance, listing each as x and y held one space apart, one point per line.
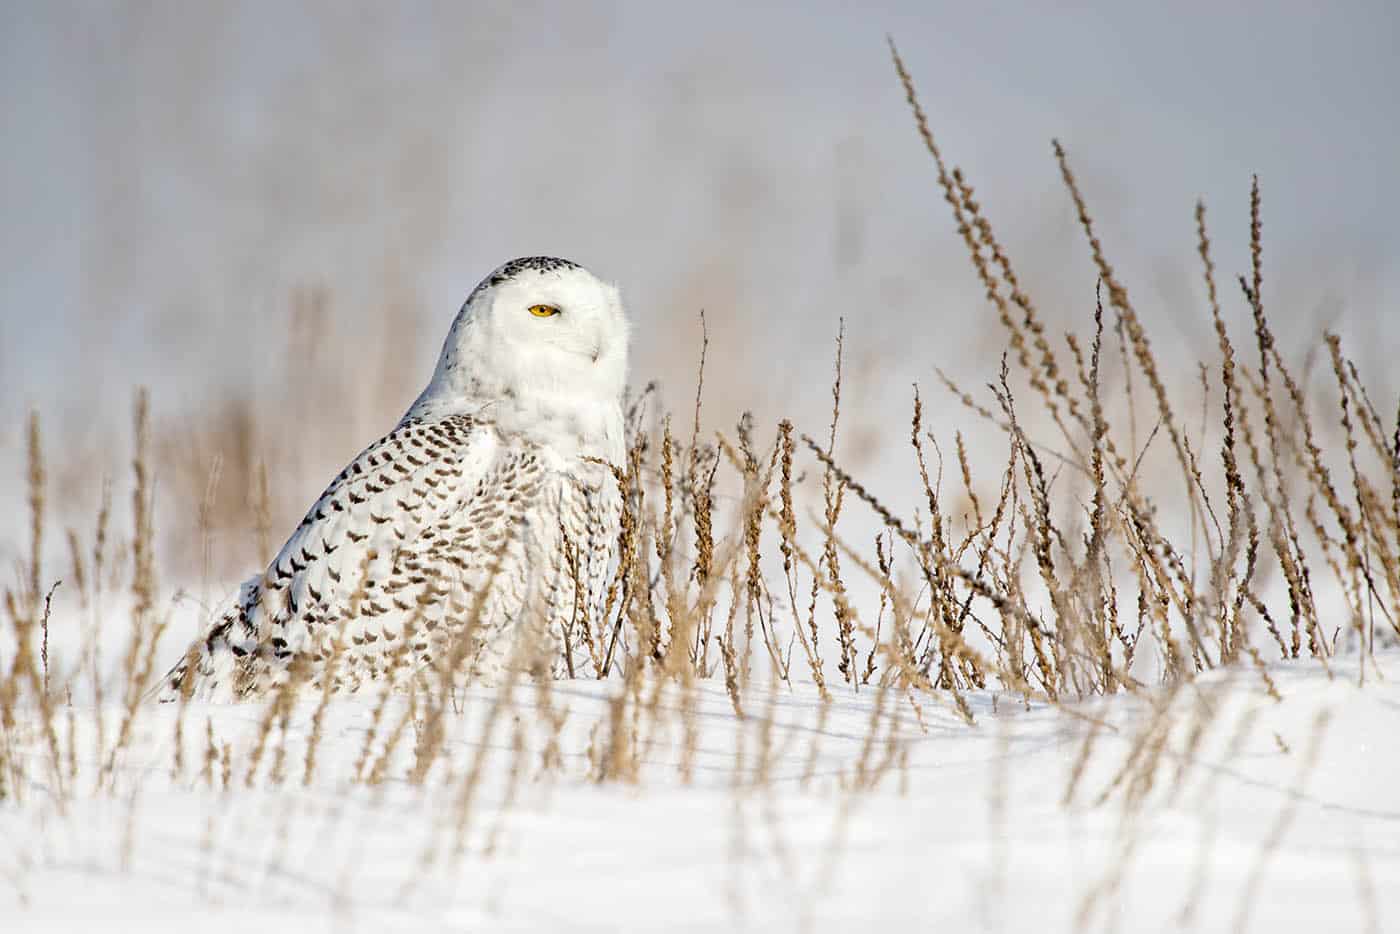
538 330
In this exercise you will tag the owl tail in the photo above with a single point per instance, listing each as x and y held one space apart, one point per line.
208 664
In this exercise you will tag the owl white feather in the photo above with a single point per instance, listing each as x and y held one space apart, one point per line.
471 536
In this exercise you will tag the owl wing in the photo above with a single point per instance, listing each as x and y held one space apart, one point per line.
355 571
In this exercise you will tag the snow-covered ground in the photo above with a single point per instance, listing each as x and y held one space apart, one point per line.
1218 808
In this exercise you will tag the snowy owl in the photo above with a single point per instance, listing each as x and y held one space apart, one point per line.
485 522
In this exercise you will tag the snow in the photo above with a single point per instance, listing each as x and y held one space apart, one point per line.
1259 814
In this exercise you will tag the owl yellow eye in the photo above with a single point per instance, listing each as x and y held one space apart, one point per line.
543 311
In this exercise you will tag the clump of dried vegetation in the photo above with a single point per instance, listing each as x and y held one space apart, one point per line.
1074 580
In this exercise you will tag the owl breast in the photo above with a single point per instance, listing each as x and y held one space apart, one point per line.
515 578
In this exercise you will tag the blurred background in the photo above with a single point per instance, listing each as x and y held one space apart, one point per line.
268 213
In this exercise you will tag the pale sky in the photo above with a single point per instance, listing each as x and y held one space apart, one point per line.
172 171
